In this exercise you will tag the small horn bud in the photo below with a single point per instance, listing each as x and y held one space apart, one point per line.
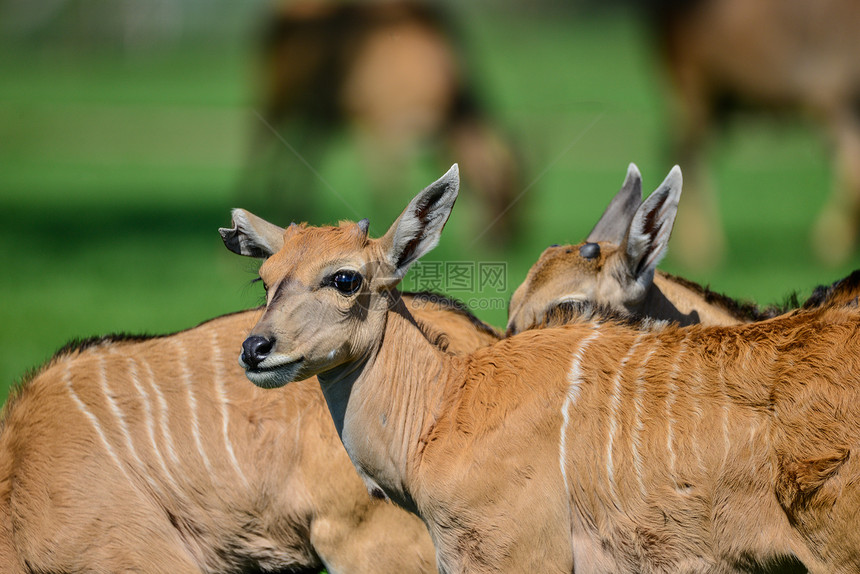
590 250
364 225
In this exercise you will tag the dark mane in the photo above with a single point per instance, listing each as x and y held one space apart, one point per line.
742 310
81 345
568 312
843 291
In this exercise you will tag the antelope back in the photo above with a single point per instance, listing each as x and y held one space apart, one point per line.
133 452
157 453
449 323
724 424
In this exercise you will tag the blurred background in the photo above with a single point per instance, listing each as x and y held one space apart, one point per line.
129 128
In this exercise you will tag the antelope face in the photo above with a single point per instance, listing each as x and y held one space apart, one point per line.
593 272
328 289
321 302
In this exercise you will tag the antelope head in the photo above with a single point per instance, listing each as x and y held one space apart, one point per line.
328 289
614 266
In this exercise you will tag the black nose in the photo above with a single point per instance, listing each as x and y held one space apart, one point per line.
255 349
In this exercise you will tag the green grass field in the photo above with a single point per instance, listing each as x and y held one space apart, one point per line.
116 171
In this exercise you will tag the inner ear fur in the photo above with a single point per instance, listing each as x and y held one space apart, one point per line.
651 227
419 227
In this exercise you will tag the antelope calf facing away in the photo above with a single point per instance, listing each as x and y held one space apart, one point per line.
615 268
587 448
157 455
613 272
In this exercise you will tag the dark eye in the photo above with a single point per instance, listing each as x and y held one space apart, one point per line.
347 282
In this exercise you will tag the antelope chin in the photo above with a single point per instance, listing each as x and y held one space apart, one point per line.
272 376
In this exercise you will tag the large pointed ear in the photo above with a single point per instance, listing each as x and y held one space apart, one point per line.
615 221
418 228
252 236
649 232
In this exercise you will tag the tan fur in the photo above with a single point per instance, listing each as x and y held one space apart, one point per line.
775 55
586 448
158 455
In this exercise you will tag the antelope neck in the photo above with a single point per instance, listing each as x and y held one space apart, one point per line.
383 403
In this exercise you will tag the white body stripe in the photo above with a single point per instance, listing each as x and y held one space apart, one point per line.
638 424
671 397
574 380
134 375
697 409
163 418
614 405
221 393
187 381
118 414
88 414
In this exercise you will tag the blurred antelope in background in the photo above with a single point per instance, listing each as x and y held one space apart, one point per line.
796 55
155 454
392 73
587 448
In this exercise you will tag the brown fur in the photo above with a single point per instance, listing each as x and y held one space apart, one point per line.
393 73
774 55
100 468
587 448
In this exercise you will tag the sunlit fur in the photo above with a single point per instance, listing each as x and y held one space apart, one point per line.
157 455
590 447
